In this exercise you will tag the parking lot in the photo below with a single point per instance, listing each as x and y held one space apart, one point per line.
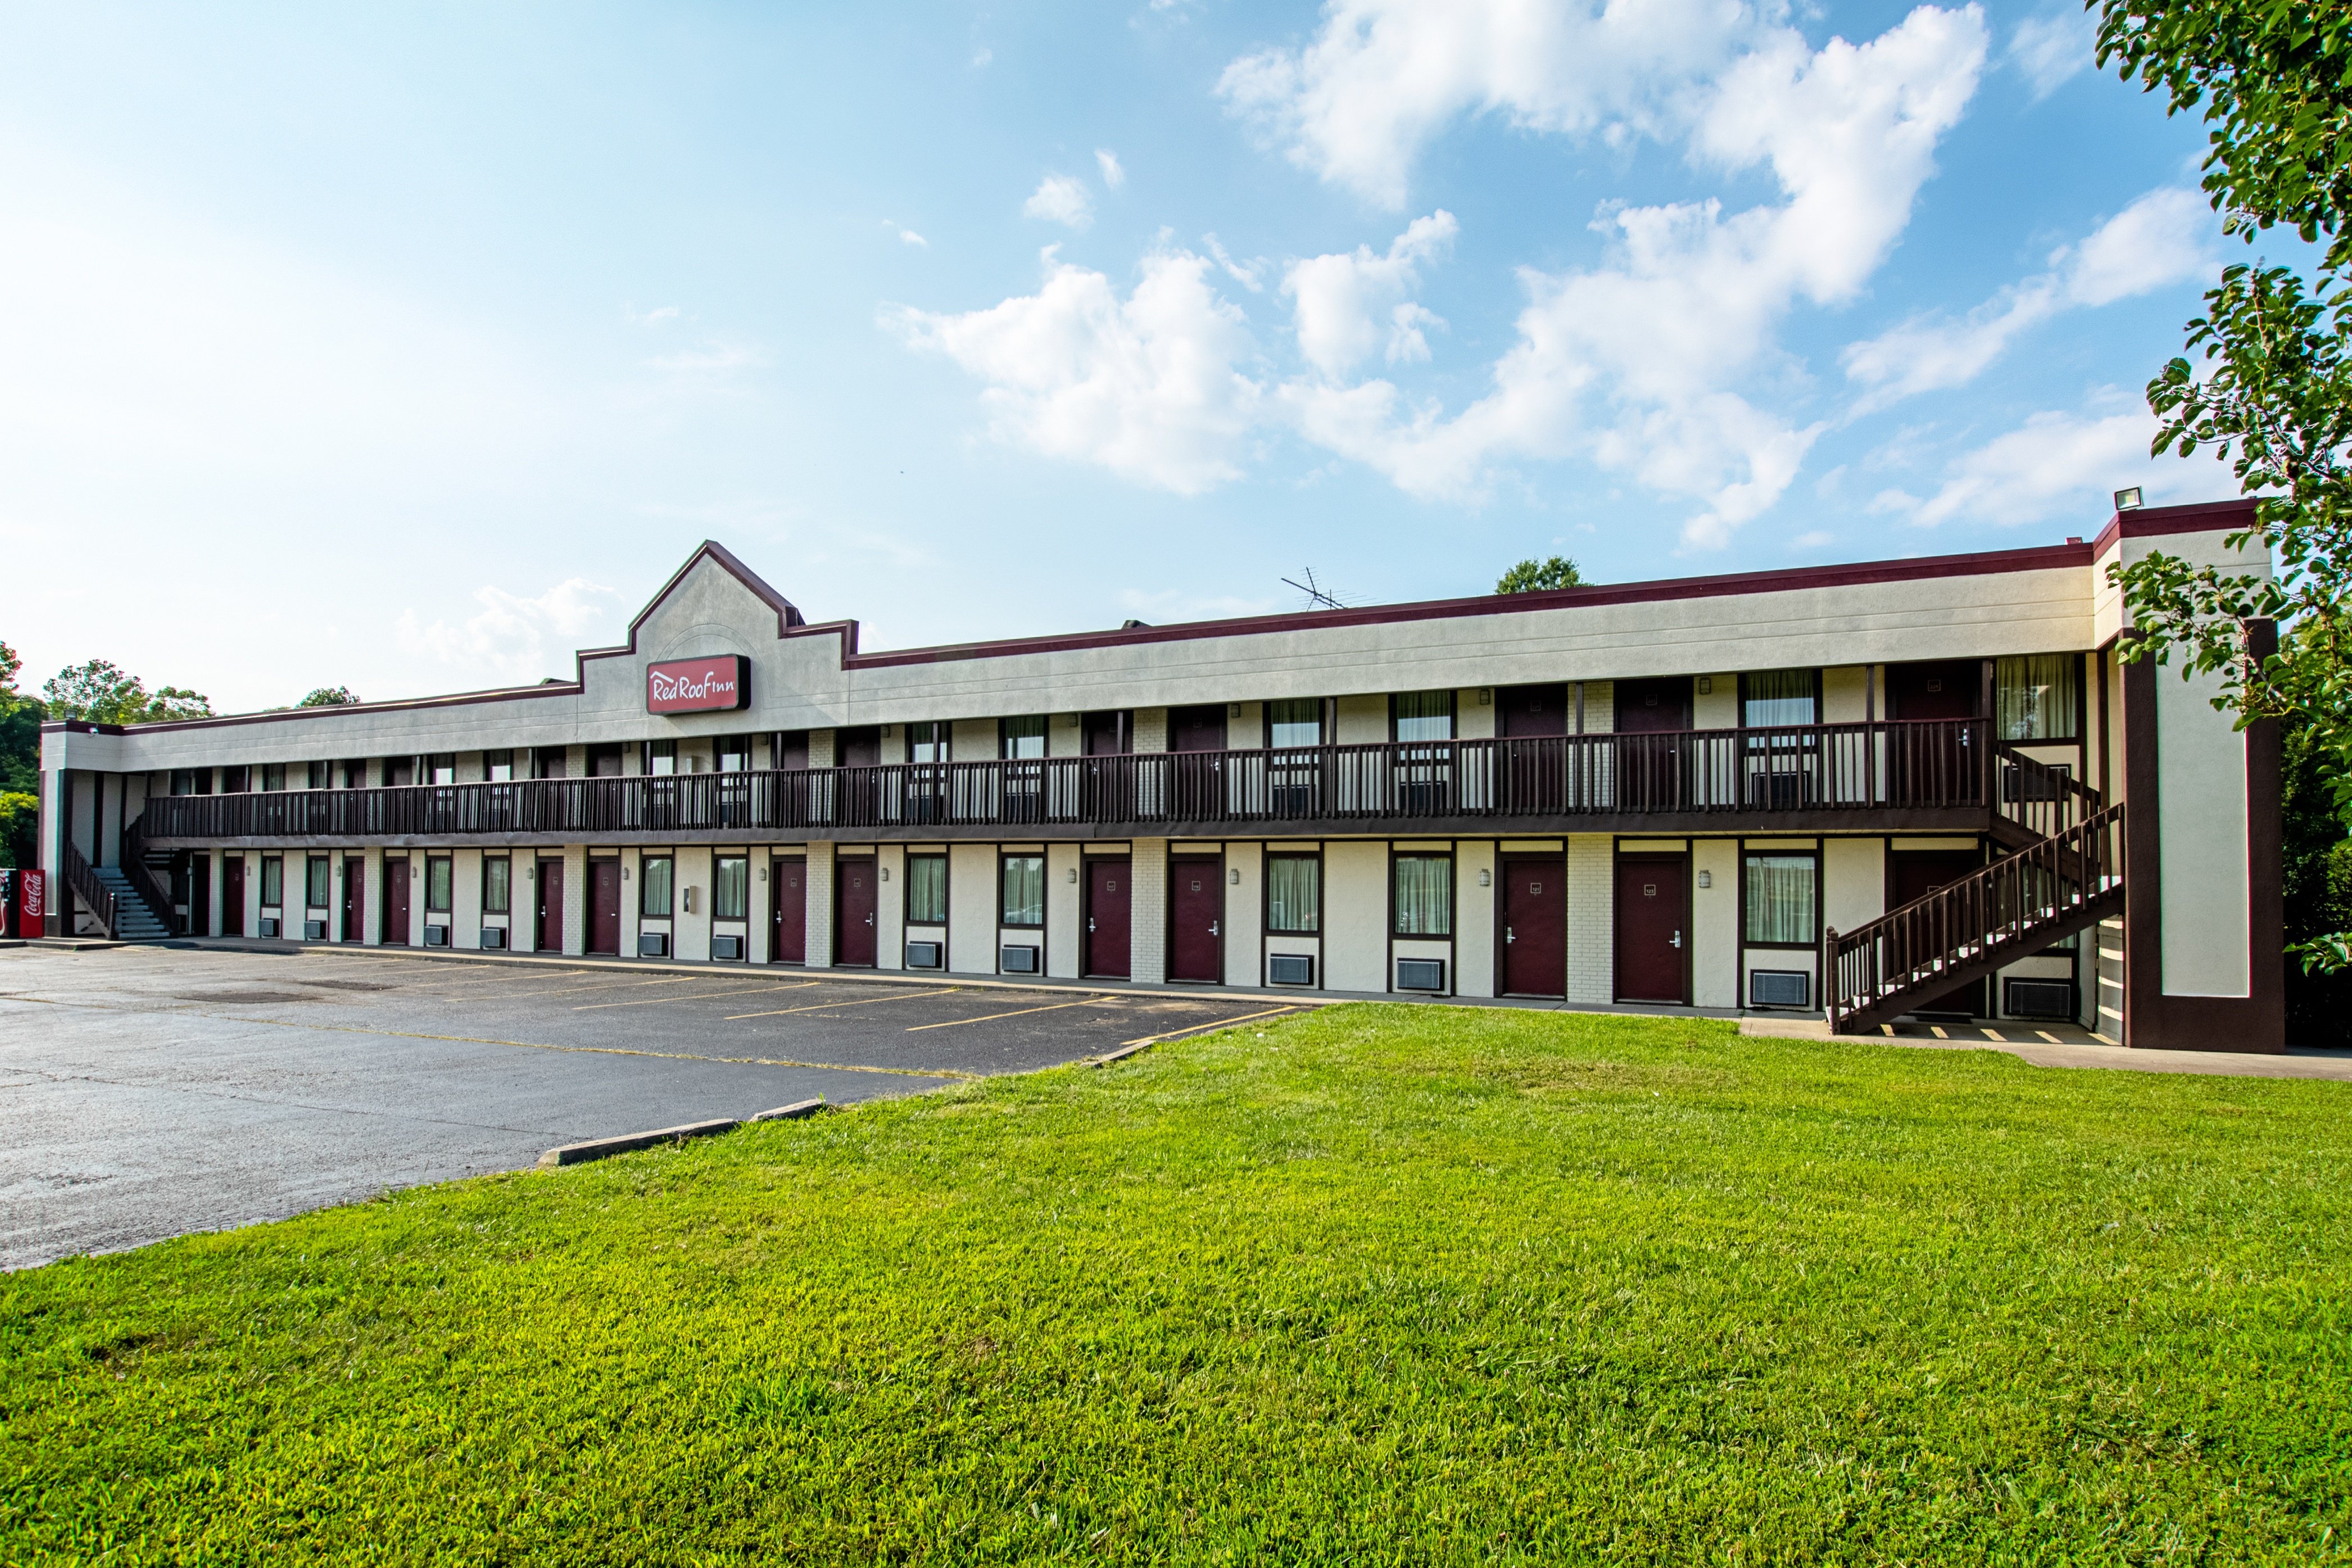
153 1091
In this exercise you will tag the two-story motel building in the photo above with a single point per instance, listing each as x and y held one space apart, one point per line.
1921 786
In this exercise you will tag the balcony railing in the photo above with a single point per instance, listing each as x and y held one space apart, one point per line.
1942 765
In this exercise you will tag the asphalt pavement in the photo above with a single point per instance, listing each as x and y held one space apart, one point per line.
151 1091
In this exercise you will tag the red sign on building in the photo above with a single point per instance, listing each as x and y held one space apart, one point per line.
699 685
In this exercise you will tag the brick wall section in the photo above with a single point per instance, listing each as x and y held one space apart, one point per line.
1600 706
820 903
1591 918
1152 729
2102 1002
1148 913
575 898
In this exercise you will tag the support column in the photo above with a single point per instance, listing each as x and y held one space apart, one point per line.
575 899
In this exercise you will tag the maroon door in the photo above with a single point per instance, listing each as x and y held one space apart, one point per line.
550 906
605 907
232 895
395 903
1914 876
788 935
1107 734
853 936
1535 710
1650 770
200 895
1653 927
1932 766
1200 729
1534 927
1108 903
1535 770
354 897
1196 919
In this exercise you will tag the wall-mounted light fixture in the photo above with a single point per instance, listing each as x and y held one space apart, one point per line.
625 871
2127 499
1234 877
1073 873
886 873
1234 710
1485 697
763 873
1706 879
1486 878
1707 686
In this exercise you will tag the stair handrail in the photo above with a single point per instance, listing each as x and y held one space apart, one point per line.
1917 945
144 882
83 879
2047 800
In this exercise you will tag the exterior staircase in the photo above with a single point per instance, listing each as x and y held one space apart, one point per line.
2066 875
133 920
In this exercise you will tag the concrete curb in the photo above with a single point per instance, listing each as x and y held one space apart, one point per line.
601 1148
792 1112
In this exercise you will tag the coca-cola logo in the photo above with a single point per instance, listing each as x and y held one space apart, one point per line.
697 684
32 894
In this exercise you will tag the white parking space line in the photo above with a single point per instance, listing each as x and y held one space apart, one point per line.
699 995
1016 1013
826 1006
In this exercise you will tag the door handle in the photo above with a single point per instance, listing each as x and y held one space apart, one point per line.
1509 935
1212 929
1090 925
1676 940
869 920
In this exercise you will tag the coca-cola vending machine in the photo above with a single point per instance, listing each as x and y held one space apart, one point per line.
31 902
7 902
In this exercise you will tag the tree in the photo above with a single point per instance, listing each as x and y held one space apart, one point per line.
2273 79
100 693
328 697
1534 576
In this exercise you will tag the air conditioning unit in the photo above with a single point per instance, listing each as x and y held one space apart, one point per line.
436 936
2051 999
270 925
653 944
1421 974
924 955
1290 969
314 931
494 938
1017 960
727 947
1779 988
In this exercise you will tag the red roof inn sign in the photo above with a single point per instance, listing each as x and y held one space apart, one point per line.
699 685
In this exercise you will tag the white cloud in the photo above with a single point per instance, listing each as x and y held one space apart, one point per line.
1687 308
2060 461
1060 199
1812 539
980 58
2163 239
1247 277
1113 176
906 235
1347 306
511 638
1382 78
2049 50
1149 387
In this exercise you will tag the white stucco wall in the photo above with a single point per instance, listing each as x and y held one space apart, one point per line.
2201 790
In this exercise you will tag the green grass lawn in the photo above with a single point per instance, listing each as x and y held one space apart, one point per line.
1381 1285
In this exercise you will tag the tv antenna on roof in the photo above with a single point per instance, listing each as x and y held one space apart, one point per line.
1317 598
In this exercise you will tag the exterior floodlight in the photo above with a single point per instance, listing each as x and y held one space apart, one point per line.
2127 500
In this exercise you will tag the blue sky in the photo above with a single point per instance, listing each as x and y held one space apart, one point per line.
411 348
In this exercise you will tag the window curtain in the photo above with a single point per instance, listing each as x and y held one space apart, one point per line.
1294 721
1773 697
1780 898
437 881
1025 889
1025 737
927 889
1293 894
1424 895
731 893
653 884
1424 715
2034 697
